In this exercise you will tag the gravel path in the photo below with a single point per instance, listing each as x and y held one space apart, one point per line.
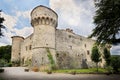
17 73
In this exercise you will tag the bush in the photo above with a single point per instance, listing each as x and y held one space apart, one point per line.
115 63
2 62
73 72
49 71
8 65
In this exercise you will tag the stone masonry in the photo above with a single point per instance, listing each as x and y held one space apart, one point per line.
68 49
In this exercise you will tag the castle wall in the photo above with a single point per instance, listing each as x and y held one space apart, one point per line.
44 22
44 36
68 49
16 50
73 49
26 50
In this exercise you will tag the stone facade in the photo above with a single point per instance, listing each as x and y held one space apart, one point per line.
68 49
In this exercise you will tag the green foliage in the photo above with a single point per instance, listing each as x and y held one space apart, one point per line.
2 62
28 62
1 26
95 56
107 56
5 53
115 63
90 70
50 57
109 69
107 21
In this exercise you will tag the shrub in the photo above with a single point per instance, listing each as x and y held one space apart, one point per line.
49 71
73 72
115 63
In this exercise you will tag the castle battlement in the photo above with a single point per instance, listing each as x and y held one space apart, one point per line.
67 49
42 15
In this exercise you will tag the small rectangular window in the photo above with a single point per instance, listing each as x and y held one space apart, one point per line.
88 52
30 47
85 45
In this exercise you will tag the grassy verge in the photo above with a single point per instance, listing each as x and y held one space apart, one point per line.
91 70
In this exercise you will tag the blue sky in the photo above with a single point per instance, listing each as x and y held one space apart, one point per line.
74 14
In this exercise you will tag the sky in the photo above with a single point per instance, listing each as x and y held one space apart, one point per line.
74 14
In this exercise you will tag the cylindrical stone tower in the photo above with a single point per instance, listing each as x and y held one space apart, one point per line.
44 21
16 50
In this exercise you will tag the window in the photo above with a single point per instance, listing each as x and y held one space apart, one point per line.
69 36
57 55
30 47
85 45
88 52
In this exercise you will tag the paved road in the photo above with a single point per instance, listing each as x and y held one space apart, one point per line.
17 73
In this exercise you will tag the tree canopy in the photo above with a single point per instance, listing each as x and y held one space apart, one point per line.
95 56
115 63
107 56
107 21
5 53
1 25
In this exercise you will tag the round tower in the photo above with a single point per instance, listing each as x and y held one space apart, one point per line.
16 50
44 21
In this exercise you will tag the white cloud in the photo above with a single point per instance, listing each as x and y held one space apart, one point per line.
75 14
115 49
10 23
25 14
78 15
26 31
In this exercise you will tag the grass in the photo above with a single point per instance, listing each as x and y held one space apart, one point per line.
91 70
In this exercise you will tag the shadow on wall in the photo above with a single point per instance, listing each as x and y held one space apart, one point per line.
84 63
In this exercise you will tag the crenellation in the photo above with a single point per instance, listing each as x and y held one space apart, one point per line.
44 21
69 50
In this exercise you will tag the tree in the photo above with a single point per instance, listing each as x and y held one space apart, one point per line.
5 53
107 21
107 56
95 56
1 26
115 63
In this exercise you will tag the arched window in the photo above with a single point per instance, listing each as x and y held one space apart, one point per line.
47 20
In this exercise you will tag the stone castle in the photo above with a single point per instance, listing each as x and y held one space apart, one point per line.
67 49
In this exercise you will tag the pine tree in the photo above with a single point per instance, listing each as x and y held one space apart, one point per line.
107 21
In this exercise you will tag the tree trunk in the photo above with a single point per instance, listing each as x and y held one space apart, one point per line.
97 66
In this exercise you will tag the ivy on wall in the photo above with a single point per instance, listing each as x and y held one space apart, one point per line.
50 57
28 62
